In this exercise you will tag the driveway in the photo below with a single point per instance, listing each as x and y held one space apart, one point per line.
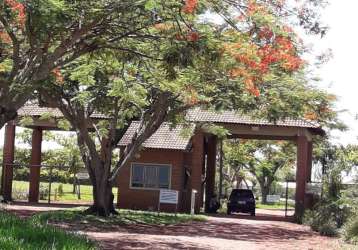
220 232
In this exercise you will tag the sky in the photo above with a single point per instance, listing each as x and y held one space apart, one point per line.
339 75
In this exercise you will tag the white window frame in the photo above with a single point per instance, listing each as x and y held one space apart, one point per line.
150 164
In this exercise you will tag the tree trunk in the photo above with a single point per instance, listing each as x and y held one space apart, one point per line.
103 198
265 190
6 115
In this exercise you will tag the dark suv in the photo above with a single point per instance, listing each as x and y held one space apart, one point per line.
241 200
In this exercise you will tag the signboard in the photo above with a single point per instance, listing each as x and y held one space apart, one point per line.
273 198
82 176
313 188
168 196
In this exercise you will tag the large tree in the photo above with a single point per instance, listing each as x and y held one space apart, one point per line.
38 37
180 61
262 159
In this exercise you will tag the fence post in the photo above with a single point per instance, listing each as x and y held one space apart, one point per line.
49 186
286 198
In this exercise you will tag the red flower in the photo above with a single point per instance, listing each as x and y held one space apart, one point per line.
19 8
190 6
192 36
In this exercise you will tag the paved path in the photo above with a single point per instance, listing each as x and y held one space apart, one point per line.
226 233
218 233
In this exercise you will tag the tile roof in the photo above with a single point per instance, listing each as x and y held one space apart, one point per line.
165 137
198 115
33 109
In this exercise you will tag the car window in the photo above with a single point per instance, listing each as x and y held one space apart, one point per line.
241 193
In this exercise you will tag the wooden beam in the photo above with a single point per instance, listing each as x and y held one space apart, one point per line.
301 175
210 170
35 165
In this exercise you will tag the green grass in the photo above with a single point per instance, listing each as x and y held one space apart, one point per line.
19 234
278 205
86 191
124 217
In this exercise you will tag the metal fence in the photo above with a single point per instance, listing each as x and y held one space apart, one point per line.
56 184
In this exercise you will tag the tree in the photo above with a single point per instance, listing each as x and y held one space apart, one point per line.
182 61
37 38
262 159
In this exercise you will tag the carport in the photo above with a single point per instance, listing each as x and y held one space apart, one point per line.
42 118
301 132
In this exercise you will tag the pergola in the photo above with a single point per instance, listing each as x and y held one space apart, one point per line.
38 125
299 131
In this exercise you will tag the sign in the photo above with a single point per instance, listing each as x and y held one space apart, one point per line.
168 196
313 188
82 176
273 198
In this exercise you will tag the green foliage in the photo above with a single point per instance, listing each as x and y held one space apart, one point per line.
327 217
22 234
350 231
337 206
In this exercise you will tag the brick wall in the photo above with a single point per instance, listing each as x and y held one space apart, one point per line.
148 199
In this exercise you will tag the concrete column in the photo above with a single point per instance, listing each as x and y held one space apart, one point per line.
35 165
301 174
8 160
210 170
196 168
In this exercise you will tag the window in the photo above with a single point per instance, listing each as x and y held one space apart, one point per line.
150 176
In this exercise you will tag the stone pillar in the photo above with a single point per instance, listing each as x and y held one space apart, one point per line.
8 160
196 168
35 165
210 170
301 175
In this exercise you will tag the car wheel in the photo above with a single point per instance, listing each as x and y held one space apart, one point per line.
253 213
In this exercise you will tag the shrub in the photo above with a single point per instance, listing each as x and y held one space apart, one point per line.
350 231
327 217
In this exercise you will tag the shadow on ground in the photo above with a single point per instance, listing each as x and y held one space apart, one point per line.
261 230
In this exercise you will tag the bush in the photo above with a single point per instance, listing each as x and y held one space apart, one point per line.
327 217
350 231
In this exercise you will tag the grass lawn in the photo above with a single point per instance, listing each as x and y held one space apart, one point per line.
22 187
19 234
124 217
278 205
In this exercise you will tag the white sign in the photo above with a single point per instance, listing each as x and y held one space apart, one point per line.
273 198
168 196
82 176
313 188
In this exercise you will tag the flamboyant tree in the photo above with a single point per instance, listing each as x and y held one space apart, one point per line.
37 38
164 58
